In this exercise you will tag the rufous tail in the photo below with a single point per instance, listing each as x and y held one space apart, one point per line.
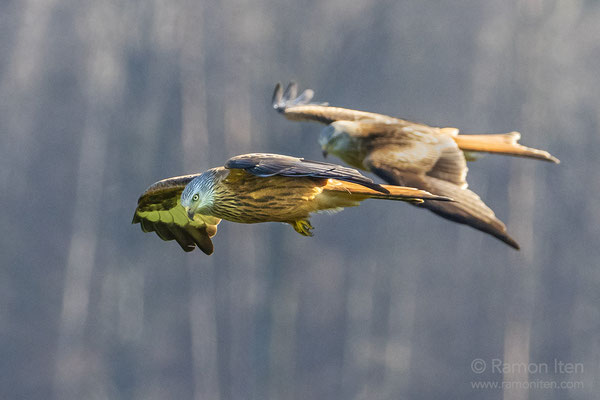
501 143
401 193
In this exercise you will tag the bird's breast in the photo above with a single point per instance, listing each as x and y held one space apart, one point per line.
266 199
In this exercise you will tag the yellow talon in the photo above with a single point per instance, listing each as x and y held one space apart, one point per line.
303 227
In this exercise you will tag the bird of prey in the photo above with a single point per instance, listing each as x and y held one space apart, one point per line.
410 154
254 188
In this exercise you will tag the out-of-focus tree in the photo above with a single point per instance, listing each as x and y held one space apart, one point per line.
98 99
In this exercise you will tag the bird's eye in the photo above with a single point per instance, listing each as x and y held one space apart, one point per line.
195 197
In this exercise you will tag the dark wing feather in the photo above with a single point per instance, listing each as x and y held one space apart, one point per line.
265 165
159 210
288 98
301 108
467 208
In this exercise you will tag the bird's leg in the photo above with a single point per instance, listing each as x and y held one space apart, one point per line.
303 227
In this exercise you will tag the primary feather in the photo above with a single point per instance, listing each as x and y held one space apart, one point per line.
159 210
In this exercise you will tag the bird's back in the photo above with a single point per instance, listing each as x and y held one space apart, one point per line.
246 198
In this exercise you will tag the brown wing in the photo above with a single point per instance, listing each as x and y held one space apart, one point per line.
301 109
411 149
159 210
415 165
266 165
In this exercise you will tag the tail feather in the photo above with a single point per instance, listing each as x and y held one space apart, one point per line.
401 193
501 143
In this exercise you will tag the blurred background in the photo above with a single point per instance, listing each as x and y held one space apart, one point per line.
99 99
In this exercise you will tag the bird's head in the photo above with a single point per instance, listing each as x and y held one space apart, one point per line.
198 196
338 139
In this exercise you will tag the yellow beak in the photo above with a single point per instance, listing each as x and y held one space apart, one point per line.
190 213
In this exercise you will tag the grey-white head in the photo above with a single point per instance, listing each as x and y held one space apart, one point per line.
336 138
198 196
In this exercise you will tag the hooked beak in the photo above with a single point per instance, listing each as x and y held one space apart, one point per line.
190 213
325 153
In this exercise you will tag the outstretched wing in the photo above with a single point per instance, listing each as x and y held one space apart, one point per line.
412 151
399 167
265 165
301 109
159 210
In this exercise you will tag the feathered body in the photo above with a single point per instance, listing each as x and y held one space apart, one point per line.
410 154
256 188
245 198
499 143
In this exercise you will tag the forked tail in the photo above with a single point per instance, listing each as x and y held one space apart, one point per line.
501 143
400 193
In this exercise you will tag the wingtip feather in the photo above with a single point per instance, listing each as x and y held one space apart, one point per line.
291 91
282 99
277 99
